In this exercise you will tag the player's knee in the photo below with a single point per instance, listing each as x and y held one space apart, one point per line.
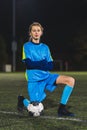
72 81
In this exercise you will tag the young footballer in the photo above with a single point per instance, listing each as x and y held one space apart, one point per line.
38 60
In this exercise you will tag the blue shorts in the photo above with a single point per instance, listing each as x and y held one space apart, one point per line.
36 90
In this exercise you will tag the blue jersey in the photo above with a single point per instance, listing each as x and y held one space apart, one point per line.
36 52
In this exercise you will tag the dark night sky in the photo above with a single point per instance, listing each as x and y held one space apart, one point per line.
61 19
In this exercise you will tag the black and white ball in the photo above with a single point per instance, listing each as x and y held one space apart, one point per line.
35 109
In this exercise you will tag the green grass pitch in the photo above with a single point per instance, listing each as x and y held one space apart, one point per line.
13 84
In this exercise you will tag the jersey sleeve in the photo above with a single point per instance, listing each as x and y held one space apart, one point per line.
49 57
25 53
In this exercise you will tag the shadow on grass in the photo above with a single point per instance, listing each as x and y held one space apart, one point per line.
49 103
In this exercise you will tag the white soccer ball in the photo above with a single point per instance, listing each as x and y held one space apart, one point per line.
35 109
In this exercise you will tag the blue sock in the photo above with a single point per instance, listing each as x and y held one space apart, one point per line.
66 94
26 102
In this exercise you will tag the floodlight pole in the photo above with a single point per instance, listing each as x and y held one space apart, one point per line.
13 18
14 44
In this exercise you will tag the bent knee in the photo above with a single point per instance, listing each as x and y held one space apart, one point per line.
71 81
65 80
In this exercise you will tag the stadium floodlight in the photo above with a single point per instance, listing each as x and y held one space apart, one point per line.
14 43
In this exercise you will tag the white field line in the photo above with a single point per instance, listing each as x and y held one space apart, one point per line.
62 118
47 117
11 113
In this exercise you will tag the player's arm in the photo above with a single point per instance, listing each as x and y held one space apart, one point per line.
42 65
49 65
35 64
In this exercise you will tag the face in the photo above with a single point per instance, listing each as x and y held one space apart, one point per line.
36 33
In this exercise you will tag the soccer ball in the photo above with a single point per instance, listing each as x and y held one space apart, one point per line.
35 109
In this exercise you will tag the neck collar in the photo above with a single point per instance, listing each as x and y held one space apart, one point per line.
35 43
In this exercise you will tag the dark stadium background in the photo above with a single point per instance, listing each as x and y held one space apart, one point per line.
65 30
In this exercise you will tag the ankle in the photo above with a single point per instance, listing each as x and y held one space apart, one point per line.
62 106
